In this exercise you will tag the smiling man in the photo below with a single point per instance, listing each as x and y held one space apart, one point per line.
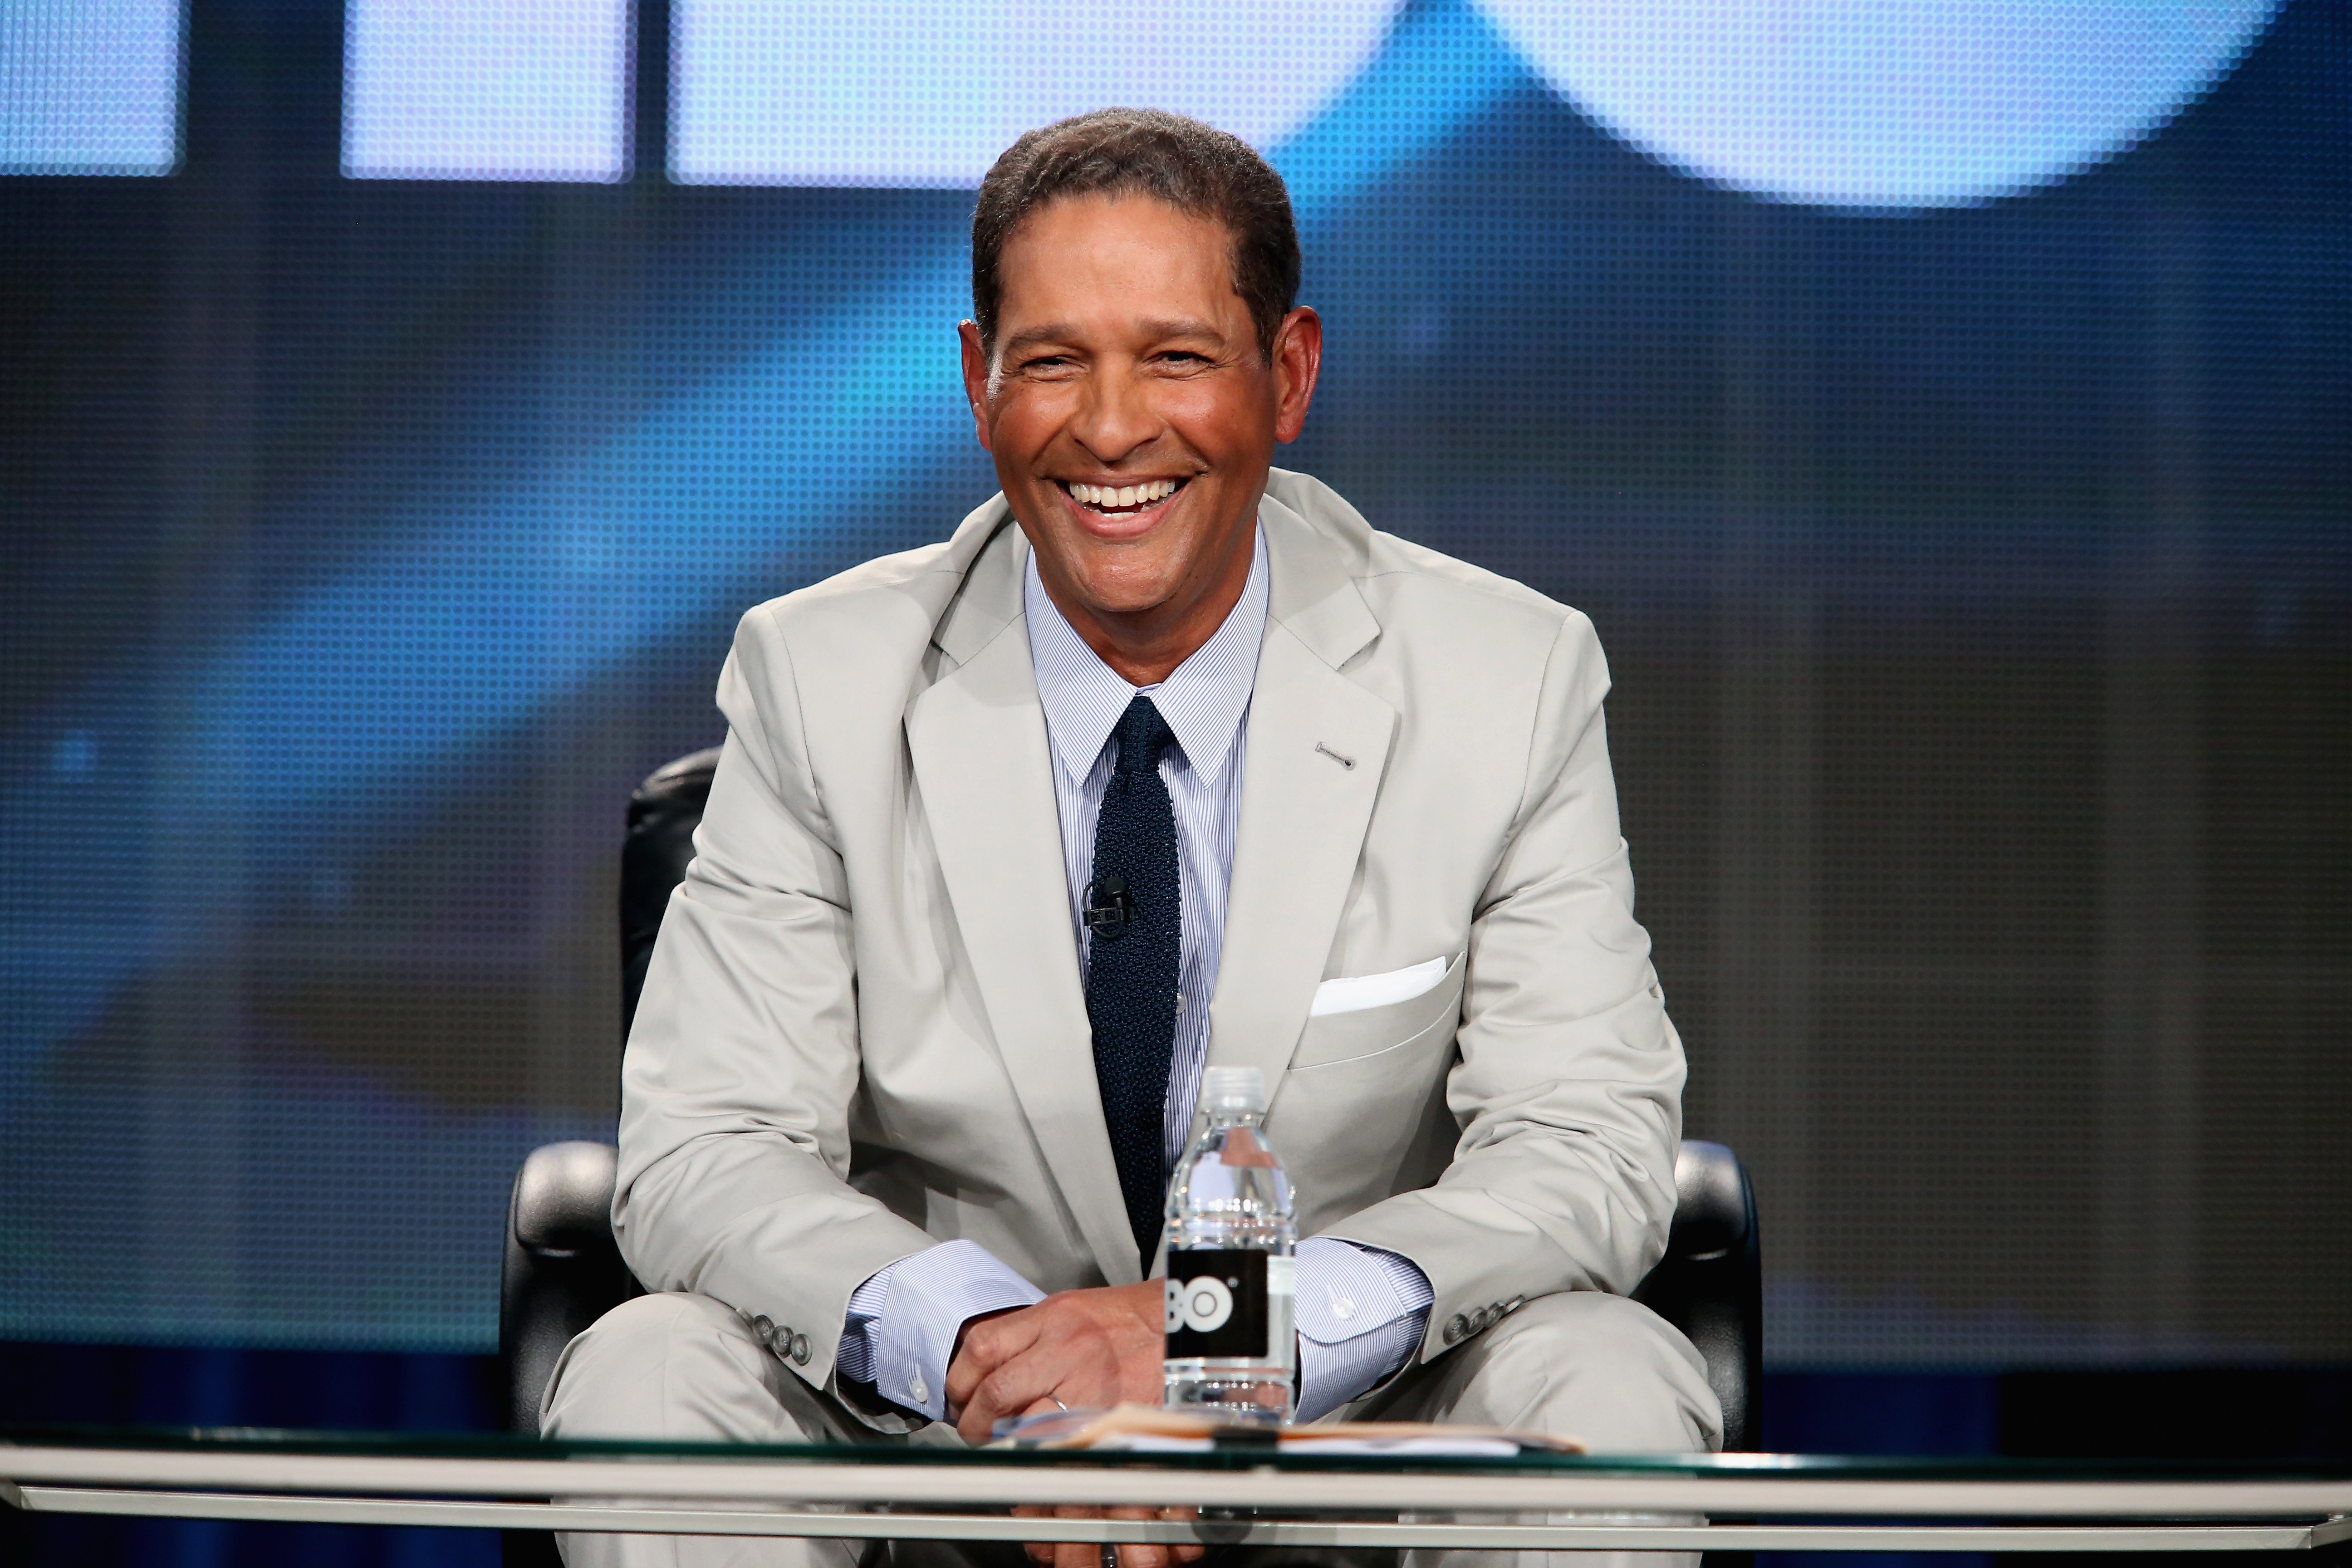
898 1112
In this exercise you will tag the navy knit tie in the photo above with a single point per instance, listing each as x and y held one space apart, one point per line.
1134 907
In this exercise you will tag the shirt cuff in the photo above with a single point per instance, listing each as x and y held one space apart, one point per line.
902 1322
1361 1313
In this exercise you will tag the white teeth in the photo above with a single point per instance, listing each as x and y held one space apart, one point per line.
1123 496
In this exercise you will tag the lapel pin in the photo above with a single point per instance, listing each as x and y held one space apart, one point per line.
1347 762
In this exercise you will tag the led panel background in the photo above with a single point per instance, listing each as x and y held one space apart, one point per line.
1973 568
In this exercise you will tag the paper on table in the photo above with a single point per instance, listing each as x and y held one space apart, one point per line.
1399 1447
1143 1428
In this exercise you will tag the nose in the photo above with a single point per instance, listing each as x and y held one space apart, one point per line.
1114 418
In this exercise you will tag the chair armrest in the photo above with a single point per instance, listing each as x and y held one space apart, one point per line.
1710 1284
561 1271
563 1198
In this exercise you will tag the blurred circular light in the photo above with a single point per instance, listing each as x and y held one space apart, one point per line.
1880 105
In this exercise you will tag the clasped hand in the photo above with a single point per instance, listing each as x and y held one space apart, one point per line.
1082 1349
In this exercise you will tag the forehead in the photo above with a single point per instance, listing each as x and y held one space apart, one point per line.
1095 261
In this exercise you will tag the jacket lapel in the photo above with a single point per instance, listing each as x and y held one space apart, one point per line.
1318 746
981 758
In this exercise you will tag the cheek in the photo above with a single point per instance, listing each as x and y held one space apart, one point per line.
1218 420
1025 421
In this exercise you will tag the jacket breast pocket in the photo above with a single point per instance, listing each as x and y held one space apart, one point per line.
1341 1037
1361 1113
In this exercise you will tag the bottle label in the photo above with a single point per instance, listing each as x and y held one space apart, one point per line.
1217 1303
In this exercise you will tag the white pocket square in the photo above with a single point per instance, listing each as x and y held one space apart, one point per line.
1358 992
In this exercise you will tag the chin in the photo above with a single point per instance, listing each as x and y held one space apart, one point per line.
1122 595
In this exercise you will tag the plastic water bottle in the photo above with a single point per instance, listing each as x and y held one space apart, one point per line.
1232 1261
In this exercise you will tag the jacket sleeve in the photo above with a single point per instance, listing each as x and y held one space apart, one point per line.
737 1082
1568 1084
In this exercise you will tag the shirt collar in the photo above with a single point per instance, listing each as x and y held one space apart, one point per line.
1203 698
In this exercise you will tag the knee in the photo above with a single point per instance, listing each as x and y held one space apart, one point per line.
1607 1370
662 1367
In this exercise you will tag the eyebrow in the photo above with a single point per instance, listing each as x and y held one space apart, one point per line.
1061 331
1182 329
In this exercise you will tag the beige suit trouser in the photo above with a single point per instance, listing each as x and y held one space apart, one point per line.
684 1368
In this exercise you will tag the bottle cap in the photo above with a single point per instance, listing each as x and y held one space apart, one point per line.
1232 1089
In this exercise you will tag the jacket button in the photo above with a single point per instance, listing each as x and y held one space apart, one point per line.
763 1331
801 1349
1514 1304
1455 1327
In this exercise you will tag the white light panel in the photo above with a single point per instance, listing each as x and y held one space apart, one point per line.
486 90
928 92
89 87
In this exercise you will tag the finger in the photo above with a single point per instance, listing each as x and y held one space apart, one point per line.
997 1337
1040 1551
985 1343
1077 1553
1084 1370
1043 1407
963 1376
1188 1552
1020 1385
1140 1555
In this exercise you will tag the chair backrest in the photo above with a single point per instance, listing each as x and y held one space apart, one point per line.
664 812
1709 1284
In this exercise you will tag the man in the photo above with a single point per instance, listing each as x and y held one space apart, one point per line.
906 1083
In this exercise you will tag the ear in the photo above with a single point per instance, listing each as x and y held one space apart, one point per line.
975 380
1297 362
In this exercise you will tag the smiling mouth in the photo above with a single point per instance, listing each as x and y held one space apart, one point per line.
1121 501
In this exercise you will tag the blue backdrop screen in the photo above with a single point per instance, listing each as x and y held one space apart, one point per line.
1942 409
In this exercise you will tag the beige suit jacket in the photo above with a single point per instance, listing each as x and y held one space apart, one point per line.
864 1030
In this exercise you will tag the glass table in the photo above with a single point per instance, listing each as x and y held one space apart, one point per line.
1247 1496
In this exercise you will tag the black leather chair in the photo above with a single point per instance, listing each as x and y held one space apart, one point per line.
562 1272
